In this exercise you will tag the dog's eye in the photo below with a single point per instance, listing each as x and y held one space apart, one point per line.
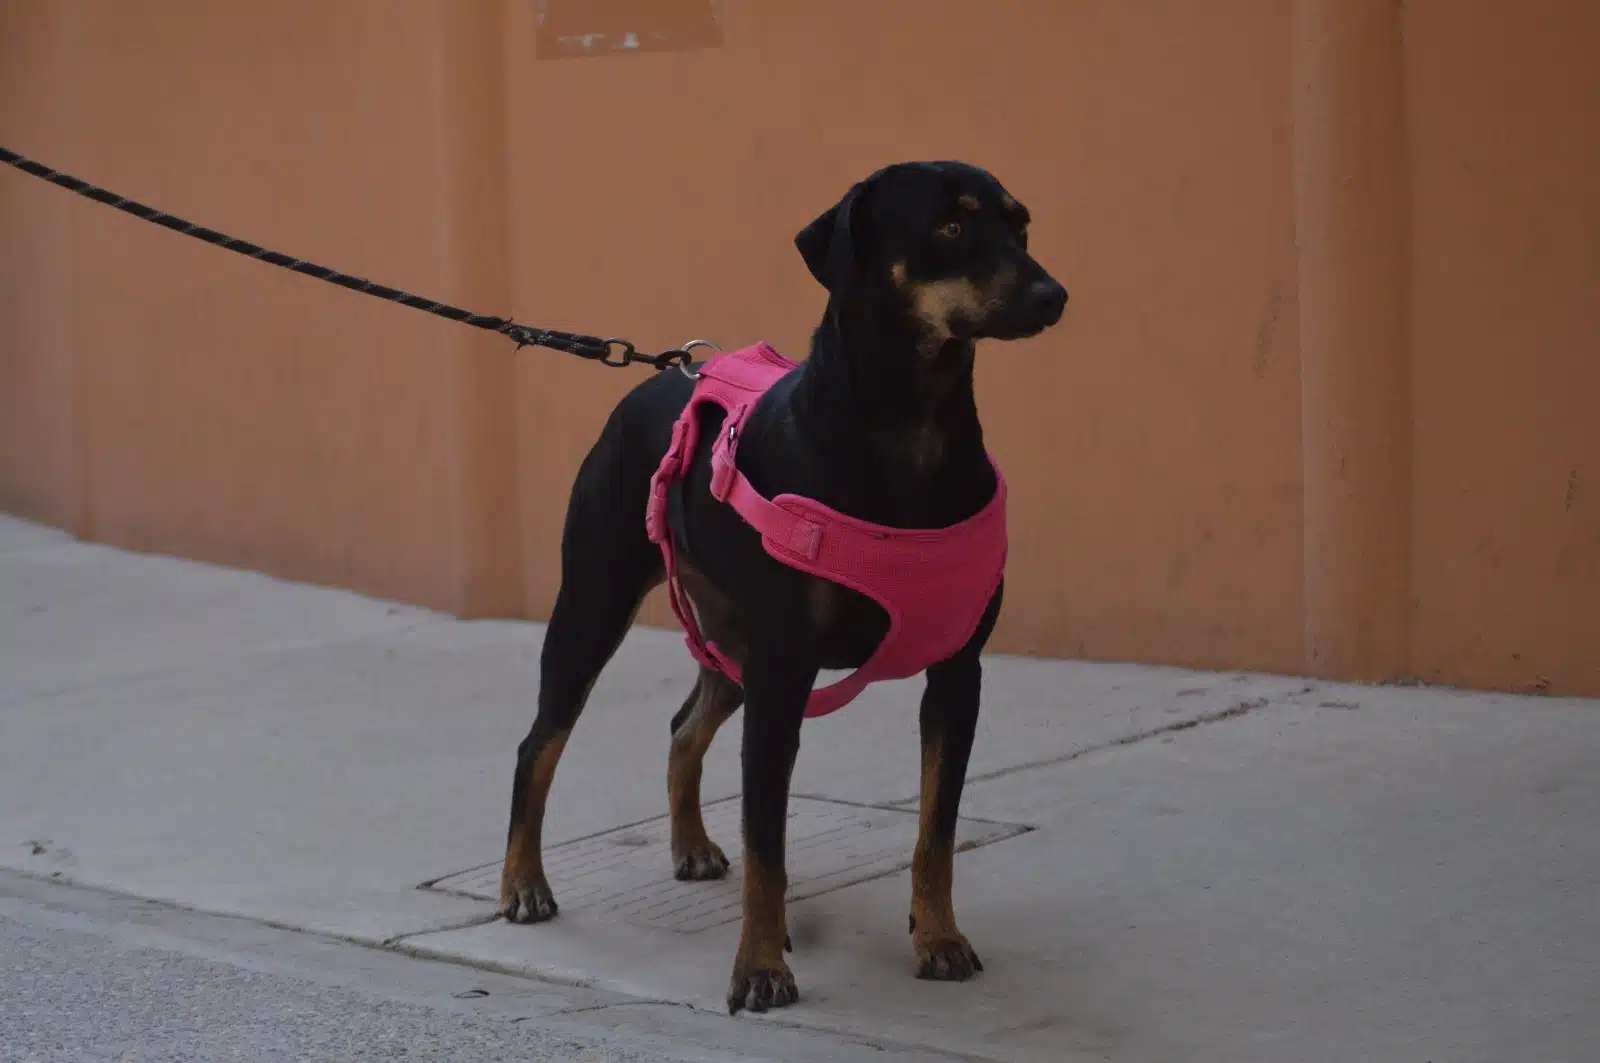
950 230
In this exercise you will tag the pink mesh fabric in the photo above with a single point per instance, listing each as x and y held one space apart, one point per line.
935 584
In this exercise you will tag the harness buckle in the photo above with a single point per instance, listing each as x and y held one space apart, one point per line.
723 470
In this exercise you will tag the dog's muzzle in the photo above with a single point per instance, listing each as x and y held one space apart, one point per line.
1046 301
1039 304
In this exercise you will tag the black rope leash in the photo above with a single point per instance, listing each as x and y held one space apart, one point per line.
608 351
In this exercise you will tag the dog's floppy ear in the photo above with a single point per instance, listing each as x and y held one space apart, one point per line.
828 243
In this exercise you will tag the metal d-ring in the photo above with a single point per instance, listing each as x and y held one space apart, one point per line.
683 366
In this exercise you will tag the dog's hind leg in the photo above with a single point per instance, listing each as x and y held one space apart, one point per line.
715 698
608 565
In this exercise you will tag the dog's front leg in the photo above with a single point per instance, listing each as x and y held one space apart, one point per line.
778 681
949 720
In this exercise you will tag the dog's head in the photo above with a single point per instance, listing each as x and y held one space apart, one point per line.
944 242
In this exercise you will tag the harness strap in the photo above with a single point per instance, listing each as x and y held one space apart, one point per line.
680 451
782 532
926 581
790 532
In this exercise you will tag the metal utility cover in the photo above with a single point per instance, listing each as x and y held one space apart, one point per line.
626 873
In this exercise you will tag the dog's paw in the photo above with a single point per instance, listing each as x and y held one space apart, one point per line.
700 863
760 988
527 904
946 957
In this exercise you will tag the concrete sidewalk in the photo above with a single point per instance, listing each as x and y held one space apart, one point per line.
1162 864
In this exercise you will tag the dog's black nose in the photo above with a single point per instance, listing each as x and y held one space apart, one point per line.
1049 296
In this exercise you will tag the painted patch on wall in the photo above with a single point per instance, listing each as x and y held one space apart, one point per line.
588 29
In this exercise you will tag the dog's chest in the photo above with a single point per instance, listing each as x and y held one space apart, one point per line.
919 450
848 626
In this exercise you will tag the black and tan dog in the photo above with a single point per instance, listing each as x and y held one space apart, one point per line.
920 260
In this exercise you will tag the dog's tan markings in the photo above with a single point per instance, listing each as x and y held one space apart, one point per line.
524 892
1016 212
937 303
715 698
897 273
713 612
759 973
525 895
970 202
943 952
932 862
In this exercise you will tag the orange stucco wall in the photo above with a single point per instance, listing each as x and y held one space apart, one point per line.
1325 399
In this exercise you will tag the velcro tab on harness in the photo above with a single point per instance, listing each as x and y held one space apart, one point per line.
805 538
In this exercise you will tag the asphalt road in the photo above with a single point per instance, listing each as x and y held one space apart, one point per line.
88 977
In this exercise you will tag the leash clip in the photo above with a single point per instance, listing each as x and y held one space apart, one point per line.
686 349
625 359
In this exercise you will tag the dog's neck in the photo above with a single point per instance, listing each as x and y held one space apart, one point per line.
893 399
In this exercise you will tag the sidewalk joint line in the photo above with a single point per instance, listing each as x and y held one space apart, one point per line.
1233 712
459 924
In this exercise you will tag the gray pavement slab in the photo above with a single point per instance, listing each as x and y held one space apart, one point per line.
26 535
1216 867
1353 875
1307 881
304 756
87 976
76 613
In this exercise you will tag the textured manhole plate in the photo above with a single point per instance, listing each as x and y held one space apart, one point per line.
626 873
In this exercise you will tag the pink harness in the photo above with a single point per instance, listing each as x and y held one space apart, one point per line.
934 584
